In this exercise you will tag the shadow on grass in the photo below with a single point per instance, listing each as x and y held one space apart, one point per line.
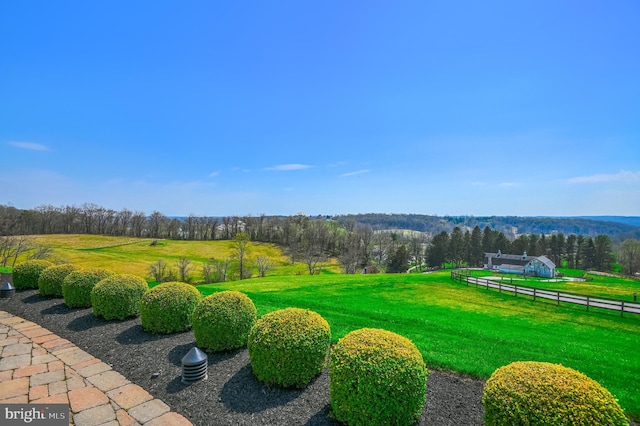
243 393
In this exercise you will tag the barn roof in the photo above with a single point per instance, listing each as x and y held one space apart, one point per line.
499 258
548 262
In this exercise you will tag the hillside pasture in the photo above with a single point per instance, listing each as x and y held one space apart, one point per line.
135 255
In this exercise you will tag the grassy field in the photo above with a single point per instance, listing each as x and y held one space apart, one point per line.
460 328
465 329
134 256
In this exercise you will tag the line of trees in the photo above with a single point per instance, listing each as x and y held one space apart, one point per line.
314 240
574 251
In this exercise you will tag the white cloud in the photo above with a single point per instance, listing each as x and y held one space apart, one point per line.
623 176
214 174
357 172
336 164
30 146
289 167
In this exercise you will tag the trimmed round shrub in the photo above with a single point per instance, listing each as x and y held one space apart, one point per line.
51 279
542 393
222 321
77 286
289 347
376 378
118 296
26 274
168 307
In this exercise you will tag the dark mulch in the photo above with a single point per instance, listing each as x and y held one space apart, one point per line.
230 395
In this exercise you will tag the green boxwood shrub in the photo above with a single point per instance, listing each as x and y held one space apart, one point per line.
168 307
76 287
26 274
51 279
376 378
222 321
118 296
289 347
541 393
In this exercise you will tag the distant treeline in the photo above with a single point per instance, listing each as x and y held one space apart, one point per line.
618 229
357 241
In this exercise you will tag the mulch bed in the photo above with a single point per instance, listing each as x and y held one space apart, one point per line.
231 395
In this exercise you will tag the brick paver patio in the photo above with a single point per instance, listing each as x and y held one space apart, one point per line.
37 366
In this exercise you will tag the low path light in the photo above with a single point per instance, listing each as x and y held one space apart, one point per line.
7 290
194 365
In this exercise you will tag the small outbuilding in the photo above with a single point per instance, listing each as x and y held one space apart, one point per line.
536 266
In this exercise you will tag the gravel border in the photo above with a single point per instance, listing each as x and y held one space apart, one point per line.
231 395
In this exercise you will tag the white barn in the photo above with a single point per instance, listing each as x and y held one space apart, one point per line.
536 266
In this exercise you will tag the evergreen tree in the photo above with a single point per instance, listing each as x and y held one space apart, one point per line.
477 255
437 251
466 247
502 243
533 249
520 244
587 254
399 260
570 250
603 255
487 240
455 252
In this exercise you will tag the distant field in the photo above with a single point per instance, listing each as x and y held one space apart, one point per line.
462 328
135 255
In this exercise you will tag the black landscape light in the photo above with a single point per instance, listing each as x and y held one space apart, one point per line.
194 365
7 291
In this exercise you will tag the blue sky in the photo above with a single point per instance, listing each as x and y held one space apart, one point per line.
234 108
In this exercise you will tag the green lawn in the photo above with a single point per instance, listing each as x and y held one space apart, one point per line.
460 328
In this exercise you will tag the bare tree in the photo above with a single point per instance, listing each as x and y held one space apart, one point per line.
160 271
264 265
41 251
314 239
241 241
350 256
123 219
156 221
215 270
11 247
138 220
381 242
212 224
630 256
184 269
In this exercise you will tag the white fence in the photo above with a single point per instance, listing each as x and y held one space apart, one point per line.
621 306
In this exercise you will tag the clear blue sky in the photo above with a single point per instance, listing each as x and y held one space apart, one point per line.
323 107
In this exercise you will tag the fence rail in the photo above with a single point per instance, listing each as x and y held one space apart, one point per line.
621 306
